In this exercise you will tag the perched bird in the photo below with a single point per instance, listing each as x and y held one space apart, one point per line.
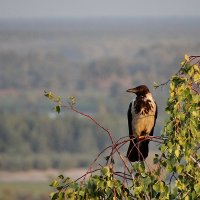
142 114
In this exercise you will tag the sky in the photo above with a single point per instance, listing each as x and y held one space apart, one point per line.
42 9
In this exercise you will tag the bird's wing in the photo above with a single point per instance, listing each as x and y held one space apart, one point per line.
129 115
155 117
156 112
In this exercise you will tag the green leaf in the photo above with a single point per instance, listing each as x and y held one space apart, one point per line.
156 186
50 95
135 166
163 148
195 114
57 109
60 196
172 86
110 184
147 181
155 85
61 176
187 198
142 166
57 99
177 151
162 187
187 58
69 191
196 78
101 184
54 195
186 91
81 193
46 94
179 168
196 68
197 187
118 190
106 171
189 167
138 189
55 183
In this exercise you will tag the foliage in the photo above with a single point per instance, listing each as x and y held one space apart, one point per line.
176 172
27 139
181 149
65 60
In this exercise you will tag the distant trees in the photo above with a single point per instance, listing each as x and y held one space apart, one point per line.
25 141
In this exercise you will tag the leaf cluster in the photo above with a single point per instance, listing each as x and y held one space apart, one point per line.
181 150
97 187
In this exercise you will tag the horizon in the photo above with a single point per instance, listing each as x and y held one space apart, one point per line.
104 18
170 19
48 9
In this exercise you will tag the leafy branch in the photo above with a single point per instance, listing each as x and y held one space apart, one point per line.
179 151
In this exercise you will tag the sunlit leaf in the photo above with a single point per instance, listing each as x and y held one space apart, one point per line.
197 187
182 63
110 184
54 195
81 193
55 183
187 58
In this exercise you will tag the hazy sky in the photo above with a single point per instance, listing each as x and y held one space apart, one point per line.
97 8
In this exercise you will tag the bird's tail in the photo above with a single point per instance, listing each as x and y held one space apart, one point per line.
138 151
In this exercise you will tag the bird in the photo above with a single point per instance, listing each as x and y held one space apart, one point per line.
142 115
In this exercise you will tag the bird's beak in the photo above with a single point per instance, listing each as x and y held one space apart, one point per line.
132 90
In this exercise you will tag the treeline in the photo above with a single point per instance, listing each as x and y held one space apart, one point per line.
60 57
43 69
48 141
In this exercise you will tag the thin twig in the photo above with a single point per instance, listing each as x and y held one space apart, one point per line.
102 127
196 161
95 170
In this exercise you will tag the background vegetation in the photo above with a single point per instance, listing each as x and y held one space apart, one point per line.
94 60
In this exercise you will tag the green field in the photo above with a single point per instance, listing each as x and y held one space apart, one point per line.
24 191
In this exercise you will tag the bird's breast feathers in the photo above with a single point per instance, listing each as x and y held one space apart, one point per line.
143 115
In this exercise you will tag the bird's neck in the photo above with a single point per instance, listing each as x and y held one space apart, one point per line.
145 96
149 96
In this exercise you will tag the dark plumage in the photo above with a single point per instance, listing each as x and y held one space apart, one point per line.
142 114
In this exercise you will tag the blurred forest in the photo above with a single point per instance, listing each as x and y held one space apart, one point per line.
94 60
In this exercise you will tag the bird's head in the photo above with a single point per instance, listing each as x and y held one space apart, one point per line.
140 90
